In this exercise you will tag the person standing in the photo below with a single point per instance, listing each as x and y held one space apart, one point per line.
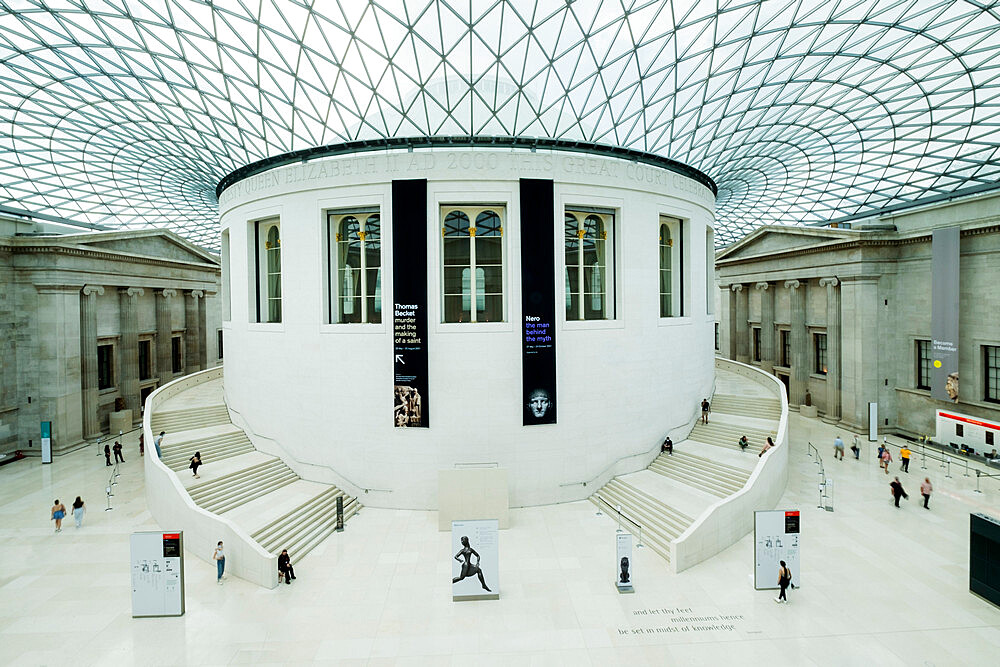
58 514
118 452
107 454
195 462
878 455
706 408
78 510
886 459
897 490
768 444
838 448
142 443
219 556
925 491
784 580
904 457
285 566
157 442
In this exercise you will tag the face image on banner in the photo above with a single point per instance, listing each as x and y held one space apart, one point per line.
475 556
540 406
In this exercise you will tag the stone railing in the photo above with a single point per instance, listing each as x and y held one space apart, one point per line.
728 520
173 509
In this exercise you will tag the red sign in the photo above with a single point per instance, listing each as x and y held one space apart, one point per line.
791 513
969 420
171 536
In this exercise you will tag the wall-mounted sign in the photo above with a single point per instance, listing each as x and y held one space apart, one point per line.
409 312
538 302
776 539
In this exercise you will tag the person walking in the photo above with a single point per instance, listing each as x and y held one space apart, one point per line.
285 566
886 459
78 510
897 490
856 449
195 462
838 448
743 443
219 556
157 442
706 408
107 454
118 452
58 514
904 458
142 443
784 581
925 491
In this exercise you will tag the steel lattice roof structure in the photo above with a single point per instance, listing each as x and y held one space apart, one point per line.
127 113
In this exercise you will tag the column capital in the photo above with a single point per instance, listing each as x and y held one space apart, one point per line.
166 293
793 284
828 282
761 285
131 291
736 287
195 294
92 289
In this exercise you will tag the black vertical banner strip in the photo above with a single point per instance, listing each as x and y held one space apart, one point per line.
409 308
538 302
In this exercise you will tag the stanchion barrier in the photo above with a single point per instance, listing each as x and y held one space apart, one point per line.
966 467
108 508
948 472
977 482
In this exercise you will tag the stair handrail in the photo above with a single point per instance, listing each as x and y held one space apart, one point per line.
621 515
611 465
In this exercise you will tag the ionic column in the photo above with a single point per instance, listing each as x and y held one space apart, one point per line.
192 335
832 349
164 332
766 326
799 380
88 359
741 329
128 351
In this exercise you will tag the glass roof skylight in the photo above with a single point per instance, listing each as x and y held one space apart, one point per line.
127 113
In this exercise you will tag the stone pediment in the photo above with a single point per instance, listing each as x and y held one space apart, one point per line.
153 243
774 239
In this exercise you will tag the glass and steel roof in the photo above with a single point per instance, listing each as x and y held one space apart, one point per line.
127 113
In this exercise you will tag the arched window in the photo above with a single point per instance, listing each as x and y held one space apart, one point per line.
472 258
589 293
671 281
357 275
268 261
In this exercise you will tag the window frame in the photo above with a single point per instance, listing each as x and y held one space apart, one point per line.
112 384
218 343
991 384
150 344
582 214
922 361
755 345
177 367
820 352
675 228
334 218
262 256
473 211
785 347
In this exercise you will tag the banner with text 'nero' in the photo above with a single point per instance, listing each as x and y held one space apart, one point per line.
538 302
409 308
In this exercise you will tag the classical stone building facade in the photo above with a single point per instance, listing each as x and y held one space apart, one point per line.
845 313
89 318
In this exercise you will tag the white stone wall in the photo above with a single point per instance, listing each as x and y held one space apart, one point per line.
323 392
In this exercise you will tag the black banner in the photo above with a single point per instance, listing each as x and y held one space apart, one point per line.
538 302
409 312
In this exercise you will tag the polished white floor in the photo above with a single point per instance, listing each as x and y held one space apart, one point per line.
879 585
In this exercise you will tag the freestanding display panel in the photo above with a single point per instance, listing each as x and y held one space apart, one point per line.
984 557
475 565
625 579
775 538
157 574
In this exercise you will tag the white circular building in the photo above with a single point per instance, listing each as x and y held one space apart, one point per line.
396 308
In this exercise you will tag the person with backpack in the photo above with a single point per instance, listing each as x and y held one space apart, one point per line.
784 581
706 408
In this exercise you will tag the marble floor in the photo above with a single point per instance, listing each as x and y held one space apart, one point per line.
879 585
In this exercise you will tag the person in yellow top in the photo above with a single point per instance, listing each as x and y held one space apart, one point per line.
904 456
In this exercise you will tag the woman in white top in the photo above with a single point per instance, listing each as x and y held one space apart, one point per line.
219 556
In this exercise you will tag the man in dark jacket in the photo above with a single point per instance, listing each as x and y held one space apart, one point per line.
107 454
285 566
897 490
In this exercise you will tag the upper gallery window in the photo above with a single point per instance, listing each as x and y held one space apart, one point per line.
991 373
589 264
268 263
670 249
355 267
923 364
472 262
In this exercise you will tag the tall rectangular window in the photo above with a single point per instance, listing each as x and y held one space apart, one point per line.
669 265
589 253
472 256
218 334
145 359
786 348
991 373
923 348
819 353
354 260
267 260
105 366
717 346
176 356
756 343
